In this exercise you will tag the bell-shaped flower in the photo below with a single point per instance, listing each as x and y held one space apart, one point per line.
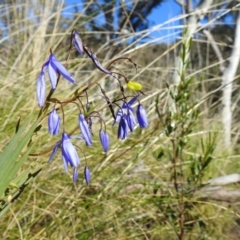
77 41
98 65
53 122
69 154
123 128
85 130
41 89
142 116
104 138
87 175
75 175
54 68
127 106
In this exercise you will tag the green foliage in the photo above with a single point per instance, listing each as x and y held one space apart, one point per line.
11 160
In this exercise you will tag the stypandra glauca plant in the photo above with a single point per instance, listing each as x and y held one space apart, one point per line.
188 157
51 108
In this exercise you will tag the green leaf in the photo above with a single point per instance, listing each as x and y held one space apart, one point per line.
10 162
17 186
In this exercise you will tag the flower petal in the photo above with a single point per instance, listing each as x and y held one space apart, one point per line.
75 175
52 75
41 89
77 41
65 163
118 115
87 175
104 138
123 128
131 102
85 130
54 151
62 70
69 152
44 66
53 122
131 121
142 116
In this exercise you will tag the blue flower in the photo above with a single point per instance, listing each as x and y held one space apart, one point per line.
142 116
126 107
77 41
69 155
54 68
123 128
85 130
41 89
87 175
126 118
53 122
104 138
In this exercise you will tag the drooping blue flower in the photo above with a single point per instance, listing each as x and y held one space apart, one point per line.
54 68
53 122
77 41
87 175
85 130
142 116
104 138
41 89
69 154
127 106
123 128
126 118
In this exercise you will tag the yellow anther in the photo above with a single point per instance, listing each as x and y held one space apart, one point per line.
134 86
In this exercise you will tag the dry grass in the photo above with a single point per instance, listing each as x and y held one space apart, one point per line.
126 198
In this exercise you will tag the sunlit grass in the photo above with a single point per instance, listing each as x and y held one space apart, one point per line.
127 195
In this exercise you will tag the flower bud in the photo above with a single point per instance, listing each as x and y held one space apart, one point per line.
53 122
104 138
77 41
85 130
87 175
142 116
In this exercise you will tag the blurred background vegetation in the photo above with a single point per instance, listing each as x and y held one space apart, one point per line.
150 186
